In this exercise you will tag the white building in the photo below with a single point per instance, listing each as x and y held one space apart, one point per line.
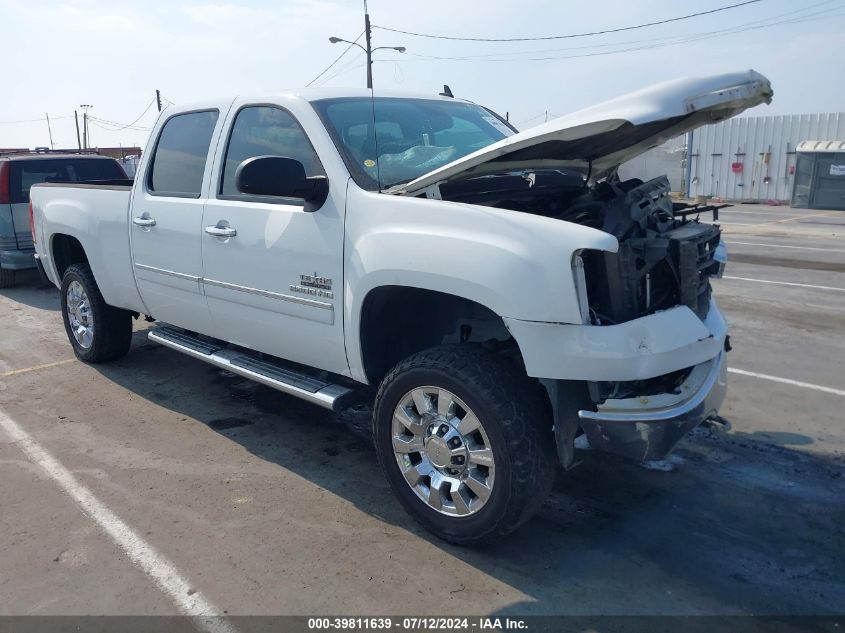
741 159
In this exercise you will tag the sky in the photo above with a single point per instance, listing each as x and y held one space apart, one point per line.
114 54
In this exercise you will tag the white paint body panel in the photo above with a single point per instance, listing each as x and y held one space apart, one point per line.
650 346
669 109
516 264
275 244
168 256
98 218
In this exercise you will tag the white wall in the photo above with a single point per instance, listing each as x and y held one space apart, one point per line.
745 140
666 159
748 140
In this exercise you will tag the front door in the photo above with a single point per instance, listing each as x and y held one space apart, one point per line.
166 221
273 268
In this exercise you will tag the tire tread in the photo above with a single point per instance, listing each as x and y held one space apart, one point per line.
518 405
113 326
7 278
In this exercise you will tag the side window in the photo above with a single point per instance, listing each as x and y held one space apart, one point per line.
266 131
181 153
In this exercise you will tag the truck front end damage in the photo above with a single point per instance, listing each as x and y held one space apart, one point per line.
647 363
635 388
648 427
663 262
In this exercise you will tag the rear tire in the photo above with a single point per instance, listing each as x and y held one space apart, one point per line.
97 331
479 409
7 278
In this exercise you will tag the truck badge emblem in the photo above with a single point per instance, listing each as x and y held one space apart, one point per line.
314 285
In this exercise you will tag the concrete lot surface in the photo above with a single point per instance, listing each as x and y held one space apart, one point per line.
262 504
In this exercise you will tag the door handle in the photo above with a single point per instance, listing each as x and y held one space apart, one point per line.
221 231
144 221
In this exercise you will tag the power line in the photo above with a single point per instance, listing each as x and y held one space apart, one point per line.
41 120
121 126
571 35
98 123
825 14
651 40
349 65
546 114
117 126
105 124
337 59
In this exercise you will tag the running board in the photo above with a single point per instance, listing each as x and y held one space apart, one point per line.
325 394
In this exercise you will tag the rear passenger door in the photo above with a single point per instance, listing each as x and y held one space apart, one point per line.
274 284
166 220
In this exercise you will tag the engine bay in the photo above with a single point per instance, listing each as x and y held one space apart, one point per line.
664 259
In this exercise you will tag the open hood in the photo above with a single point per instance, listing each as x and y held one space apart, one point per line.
610 133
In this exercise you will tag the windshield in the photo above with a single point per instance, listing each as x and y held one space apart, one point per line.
411 138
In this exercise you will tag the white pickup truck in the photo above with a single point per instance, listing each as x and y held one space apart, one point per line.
499 293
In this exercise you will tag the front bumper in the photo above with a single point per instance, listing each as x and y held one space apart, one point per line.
17 260
650 346
649 427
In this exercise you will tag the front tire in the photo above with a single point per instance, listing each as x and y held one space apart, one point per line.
465 441
97 331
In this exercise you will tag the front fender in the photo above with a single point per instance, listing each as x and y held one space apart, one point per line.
516 264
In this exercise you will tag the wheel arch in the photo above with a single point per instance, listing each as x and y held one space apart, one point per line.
66 250
397 321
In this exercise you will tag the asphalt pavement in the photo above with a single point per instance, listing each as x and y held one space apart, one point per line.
158 484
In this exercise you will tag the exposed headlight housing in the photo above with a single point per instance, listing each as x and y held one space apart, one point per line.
580 279
720 256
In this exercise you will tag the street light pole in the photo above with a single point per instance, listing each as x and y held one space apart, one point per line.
369 48
369 51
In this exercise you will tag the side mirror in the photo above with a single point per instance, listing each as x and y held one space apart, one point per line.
282 177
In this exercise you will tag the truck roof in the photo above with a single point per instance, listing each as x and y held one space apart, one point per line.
310 95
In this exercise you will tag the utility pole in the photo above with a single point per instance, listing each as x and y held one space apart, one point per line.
368 33
158 100
76 118
49 131
369 48
85 107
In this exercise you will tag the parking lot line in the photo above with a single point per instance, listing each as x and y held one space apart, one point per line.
787 381
785 283
786 211
189 601
15 372
800 248
801 217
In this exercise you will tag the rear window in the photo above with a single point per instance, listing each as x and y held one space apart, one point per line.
25 173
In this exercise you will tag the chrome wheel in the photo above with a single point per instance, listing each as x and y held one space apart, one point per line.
79 315
443 451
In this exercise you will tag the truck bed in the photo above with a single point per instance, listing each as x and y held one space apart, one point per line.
96 214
